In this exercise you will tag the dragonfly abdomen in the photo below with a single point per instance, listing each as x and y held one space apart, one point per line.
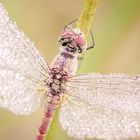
51 106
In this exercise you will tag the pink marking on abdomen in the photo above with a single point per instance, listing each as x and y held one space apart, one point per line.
48 115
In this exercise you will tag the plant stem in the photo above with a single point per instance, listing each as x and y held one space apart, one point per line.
87 15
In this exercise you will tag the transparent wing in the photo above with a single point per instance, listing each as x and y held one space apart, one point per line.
17 52
114 91
82 120
103 106
22 68
18 94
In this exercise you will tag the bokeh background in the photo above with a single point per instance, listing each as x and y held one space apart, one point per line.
116 30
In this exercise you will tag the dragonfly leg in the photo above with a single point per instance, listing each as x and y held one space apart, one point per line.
73 21
81 57
92 40
90 47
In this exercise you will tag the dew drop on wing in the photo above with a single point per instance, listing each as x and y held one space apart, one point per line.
102 106
23 69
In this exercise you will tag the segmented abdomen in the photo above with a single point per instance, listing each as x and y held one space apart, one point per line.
52 104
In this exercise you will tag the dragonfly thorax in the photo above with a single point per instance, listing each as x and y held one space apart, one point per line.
56 82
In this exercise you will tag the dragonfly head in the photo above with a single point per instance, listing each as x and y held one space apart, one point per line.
72 41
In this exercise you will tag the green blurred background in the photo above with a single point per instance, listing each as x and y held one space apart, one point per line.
117 37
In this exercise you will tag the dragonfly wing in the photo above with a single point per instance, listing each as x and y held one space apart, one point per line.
22 68
105 107
114 91
17 51
17 93
82 120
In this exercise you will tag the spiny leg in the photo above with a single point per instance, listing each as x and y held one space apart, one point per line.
73 21
92 40
81 57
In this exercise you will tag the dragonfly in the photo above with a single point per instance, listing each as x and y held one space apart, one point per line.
93 105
